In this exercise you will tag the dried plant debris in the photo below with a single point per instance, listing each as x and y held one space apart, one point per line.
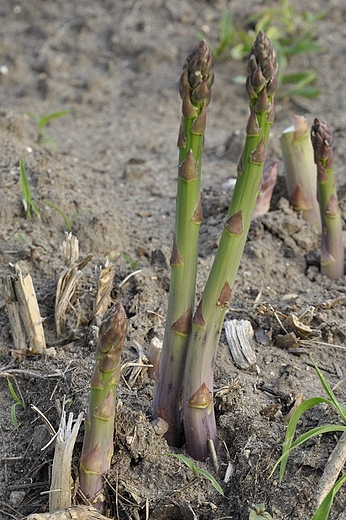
104 288
68 281
71 513
24 313
240 339
60 495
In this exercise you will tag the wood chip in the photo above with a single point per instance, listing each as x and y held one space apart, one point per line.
239 335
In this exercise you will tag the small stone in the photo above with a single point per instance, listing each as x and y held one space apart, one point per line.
160 426
17 497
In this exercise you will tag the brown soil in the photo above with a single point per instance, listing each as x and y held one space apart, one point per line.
116 66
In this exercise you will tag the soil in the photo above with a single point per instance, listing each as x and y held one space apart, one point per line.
116 65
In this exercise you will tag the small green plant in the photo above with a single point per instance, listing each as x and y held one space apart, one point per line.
259 513
227 35
290 32
17 402
41 122
197 472
68 222
132 263
28 202
323 509
32 244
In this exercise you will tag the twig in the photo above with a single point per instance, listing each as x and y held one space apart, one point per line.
332 469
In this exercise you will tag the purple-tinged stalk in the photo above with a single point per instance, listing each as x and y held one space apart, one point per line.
195 84
332 249
198 408
300 170
267 185
99 424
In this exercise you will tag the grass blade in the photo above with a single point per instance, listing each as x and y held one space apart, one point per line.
196 471
319 430
35 208
13 416
341 409
211 479
54 115
302 408
323 510
25 187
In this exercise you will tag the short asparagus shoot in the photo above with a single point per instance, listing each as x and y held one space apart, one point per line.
300 170
332 249
99 424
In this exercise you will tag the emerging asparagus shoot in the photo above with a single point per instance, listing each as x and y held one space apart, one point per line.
300 170
198 413
332 249
195 84
99 425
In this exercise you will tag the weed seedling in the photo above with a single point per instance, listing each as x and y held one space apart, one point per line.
41 122
197 472
132 263
32 245
28 203
259 513
17 402
290 32
324 507
68 222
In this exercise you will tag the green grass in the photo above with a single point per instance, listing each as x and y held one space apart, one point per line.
291 33
323 510
132 263
17 402
28 202
197 472
68 221
259 513
43 138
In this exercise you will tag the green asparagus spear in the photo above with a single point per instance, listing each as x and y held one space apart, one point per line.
198 413
195 84
300 170
267 185
99 425
332 249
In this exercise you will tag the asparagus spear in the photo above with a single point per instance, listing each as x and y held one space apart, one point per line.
99 425
195 84
300 169
267 185
198 413
332 249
